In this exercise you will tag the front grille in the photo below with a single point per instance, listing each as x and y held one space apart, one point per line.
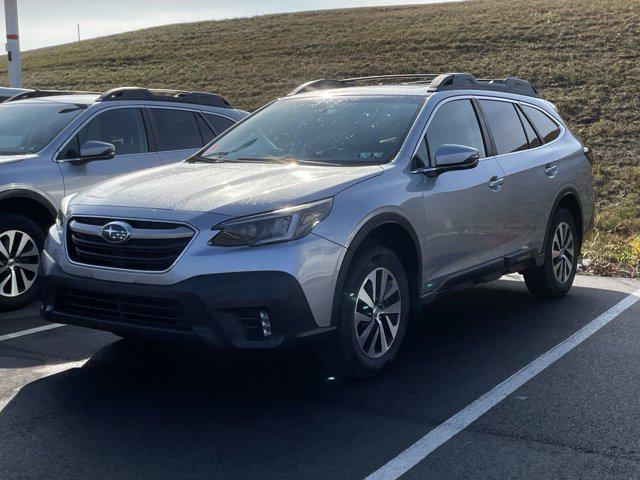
152 247
126 309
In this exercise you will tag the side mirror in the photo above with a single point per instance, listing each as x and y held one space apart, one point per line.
95 150
452 157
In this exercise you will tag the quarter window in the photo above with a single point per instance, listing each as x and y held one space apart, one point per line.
534 140
122 127
506 128
218 123
547 128
176 129
455 123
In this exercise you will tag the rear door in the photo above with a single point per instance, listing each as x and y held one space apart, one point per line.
126 129
531 169
179 133
465 209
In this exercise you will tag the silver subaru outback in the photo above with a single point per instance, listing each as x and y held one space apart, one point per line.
328 218
55 143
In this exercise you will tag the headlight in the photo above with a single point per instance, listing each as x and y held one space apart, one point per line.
279 226
62 212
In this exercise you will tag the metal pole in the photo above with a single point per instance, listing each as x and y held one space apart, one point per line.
78 31
14 66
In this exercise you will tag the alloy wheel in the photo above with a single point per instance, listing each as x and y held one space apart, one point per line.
377 312
19 261
562 252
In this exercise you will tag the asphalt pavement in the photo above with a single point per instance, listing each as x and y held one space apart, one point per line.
78 404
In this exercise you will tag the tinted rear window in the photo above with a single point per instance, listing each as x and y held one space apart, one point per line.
547 128
505 126
176 129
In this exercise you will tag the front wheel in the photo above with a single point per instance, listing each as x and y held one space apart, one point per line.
373 315
21 241
555 277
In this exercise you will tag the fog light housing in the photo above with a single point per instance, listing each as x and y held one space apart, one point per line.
265 323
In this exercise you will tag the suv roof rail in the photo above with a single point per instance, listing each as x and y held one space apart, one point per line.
327 83
47 93
164 95
466 81
437 83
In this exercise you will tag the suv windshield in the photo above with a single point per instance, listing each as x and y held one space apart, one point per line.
29 127
332 129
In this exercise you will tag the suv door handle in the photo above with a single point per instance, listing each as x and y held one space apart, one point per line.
551 171
496 183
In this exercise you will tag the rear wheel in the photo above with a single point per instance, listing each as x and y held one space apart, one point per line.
21 241
555 277
373 315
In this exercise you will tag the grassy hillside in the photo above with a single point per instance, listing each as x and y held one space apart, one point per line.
583 55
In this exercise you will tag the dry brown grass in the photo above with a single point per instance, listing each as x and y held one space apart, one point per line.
583 55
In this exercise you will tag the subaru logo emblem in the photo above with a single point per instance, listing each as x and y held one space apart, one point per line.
116 232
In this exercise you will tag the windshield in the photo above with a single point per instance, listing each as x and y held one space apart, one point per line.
29 127
328 130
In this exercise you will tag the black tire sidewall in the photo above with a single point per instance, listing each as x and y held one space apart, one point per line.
23 224
370 258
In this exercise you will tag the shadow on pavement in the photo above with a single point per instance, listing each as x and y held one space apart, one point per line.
151 411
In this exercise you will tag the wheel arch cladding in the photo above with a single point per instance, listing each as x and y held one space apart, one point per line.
396 233
28 204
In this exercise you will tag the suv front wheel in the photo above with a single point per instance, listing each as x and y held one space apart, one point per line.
21 241
555 277
373 315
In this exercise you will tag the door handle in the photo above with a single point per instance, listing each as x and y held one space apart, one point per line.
551 171
496 183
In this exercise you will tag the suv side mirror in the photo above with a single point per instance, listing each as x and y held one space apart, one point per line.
452 157
95 150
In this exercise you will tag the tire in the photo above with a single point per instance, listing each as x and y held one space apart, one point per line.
358 350
555 277
19 277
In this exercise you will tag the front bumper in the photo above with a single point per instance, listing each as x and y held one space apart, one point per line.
222 310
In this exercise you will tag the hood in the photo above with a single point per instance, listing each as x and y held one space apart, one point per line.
233 189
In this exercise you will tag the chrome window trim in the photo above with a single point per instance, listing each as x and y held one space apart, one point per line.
196 232
563 129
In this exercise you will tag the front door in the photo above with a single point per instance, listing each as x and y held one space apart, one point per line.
123 127
465 209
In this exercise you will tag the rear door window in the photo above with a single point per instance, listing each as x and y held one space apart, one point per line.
175 129
548 129
506 128
455 123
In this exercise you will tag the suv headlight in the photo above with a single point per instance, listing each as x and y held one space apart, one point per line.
279 226
62 212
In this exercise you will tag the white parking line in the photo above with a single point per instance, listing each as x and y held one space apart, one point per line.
461 420
22 333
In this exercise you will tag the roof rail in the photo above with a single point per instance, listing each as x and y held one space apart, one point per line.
327 83
466 81
437 83
164 95
46 93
